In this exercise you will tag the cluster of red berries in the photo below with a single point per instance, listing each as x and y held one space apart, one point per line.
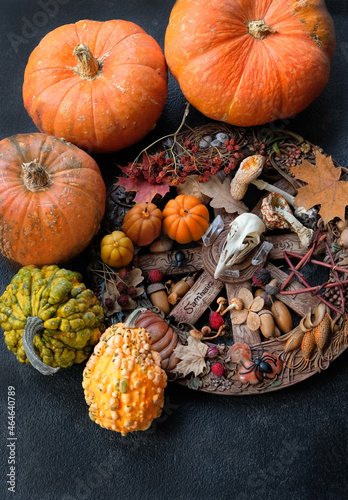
126 292
161 167
232 148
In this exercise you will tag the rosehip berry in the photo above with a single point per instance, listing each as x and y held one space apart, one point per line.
212 351
218 369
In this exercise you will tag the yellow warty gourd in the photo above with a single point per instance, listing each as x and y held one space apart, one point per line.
123 380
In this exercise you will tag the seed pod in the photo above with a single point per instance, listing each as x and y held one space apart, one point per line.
294 341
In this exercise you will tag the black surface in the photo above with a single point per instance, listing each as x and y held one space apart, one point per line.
292 444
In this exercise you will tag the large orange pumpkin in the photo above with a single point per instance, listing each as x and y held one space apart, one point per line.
52 199
100 85
250 62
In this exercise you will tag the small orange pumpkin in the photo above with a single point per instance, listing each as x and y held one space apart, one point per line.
116 249
143 223
185 219
100 85
250 62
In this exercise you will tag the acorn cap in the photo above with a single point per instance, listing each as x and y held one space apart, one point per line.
155 287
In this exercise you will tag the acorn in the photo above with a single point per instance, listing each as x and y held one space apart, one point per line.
272 288
282 316
267 325
158 297
161 245
183 286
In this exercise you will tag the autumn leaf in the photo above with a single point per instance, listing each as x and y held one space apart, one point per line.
192 357
144 190
323 188
221 197
192 186
135 277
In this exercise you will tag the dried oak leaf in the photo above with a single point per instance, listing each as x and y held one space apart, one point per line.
323 188
221 197
192 357
192 186
135 277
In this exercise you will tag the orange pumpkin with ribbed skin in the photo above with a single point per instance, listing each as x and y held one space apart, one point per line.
250 62
52 199
100 85
143 223
185 219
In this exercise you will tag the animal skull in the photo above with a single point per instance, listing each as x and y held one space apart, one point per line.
244 235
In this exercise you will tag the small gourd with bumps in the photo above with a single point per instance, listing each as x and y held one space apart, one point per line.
50 319
123 380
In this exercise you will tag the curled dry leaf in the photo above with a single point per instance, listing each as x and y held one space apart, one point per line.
221 196
135 277
192 357
193 187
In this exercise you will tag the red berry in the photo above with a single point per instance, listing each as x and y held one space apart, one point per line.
121 287
216 320
155 276
109 303
132 291
218 369
123 273
123 300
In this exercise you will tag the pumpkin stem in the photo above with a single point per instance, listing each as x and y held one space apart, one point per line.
35 176
132 318
259 29
88 66
34 326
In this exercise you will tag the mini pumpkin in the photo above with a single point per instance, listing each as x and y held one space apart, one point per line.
143 223
52 199
50 319
250 62
123 380
100 85
116 249
163 337
185 219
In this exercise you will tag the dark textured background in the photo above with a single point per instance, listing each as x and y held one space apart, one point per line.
292 444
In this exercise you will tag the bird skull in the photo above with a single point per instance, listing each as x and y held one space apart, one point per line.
244 235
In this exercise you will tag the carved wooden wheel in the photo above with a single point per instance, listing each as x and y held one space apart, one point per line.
250 362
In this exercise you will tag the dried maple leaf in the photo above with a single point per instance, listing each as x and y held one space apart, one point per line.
221 197
144 190
192 357
323 188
